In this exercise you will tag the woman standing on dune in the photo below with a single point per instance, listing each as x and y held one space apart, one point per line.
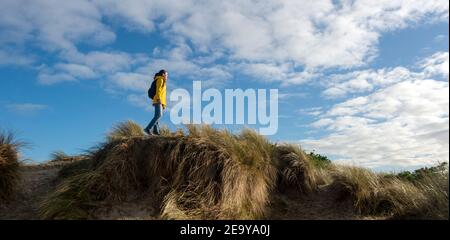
157 92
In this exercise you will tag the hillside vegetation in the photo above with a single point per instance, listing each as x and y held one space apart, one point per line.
213 174
205 173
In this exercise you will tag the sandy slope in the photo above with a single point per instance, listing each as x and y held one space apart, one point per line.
37 181
321 205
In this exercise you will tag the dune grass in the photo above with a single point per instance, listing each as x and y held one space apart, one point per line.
9 165
207 173
393 197
85 185
60 156
295 169
203 174
125 130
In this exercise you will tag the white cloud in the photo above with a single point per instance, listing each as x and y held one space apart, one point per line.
52 24
50 78
141 101
14 57
288 41
363 81
95 64
265 71
288 95
315 111
334 92
404 123
440 38
131 72
340 85
284 73
76 70
104 62
322 122
312 34
179 64
26 108
132 81
275 37
437 64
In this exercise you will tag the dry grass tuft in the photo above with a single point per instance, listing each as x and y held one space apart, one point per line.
378 194
125 130
228 175
110 180
60 156
9 166
295 169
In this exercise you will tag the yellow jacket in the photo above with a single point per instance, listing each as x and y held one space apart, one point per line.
160 95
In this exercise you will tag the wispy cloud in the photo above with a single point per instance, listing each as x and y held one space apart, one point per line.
141 101
315 111
15 57
436 65
441 38
364 81
26 108
58 26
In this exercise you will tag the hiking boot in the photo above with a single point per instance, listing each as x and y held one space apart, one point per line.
148 132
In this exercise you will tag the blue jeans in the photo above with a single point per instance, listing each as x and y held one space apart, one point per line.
154 123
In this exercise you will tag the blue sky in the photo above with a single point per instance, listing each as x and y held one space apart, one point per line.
363 82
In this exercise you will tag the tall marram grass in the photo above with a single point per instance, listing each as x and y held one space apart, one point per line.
9 165
213 174
125 130
295 169
204 174
231 175
380 194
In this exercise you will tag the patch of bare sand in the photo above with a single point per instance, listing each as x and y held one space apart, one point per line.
141 208
321 205
35 183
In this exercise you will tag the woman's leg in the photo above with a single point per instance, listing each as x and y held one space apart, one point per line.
154 121
156 127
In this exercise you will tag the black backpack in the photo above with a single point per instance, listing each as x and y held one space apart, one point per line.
152 90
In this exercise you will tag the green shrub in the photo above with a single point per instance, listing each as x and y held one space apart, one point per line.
319 161
421 173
